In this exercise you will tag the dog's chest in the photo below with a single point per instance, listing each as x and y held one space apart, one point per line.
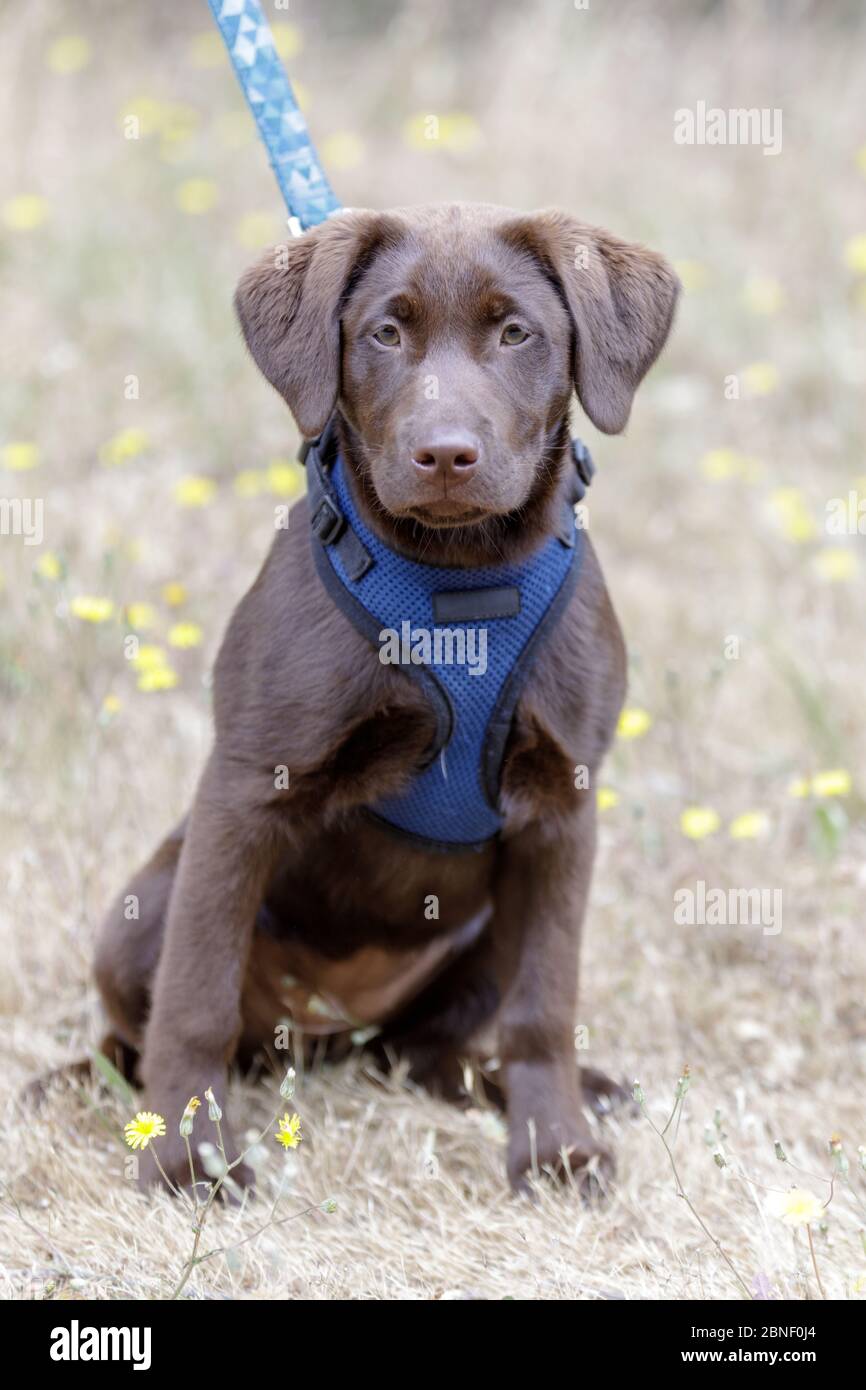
318 995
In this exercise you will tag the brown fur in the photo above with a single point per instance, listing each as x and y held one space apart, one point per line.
257 883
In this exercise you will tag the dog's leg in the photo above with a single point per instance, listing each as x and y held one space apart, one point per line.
540 902
130 941
195 1017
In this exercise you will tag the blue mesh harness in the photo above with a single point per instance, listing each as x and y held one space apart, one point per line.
469 636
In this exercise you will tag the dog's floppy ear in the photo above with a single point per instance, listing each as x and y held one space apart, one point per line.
621 298
289 307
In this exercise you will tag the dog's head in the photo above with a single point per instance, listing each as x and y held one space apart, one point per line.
450 339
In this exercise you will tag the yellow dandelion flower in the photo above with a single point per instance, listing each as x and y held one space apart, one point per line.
49 566
249 482
763 295
836 782
20 456
258 229
197 196
793 515
207 50
68 54
606 798
287 40
751 825
858 1286
140 615
147 1125
160 678
696 822
289 1132
694 275
112 705
720 464
174 593
91 609
633 723
836 564
194 491
122 447
149 657
285 479
185 635
25 212
799 1207
799 787
760 378
342 150
855 254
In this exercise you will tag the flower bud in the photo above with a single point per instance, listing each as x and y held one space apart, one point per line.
683 1084
838 1155
287 1089
213 1111
188 1117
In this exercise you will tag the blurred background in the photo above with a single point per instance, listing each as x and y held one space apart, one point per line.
133 193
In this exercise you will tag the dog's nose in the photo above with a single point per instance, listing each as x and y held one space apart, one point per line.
454 459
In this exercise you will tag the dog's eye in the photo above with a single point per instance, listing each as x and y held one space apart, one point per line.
387 335
513 335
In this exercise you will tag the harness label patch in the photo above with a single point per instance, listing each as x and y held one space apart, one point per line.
476 605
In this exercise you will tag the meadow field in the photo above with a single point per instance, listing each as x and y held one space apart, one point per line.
133 194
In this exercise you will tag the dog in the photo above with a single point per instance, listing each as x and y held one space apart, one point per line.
438 347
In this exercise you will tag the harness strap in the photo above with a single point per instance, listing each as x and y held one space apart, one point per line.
327 521
344 553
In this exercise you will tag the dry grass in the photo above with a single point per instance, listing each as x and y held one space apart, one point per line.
574 109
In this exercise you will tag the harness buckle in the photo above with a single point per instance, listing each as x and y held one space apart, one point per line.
327 522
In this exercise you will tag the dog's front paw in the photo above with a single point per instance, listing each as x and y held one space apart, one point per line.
557 1149
167 1162
549 1135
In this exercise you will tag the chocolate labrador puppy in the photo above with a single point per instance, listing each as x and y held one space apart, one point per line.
336 871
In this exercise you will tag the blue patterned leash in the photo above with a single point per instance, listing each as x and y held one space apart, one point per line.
303 184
